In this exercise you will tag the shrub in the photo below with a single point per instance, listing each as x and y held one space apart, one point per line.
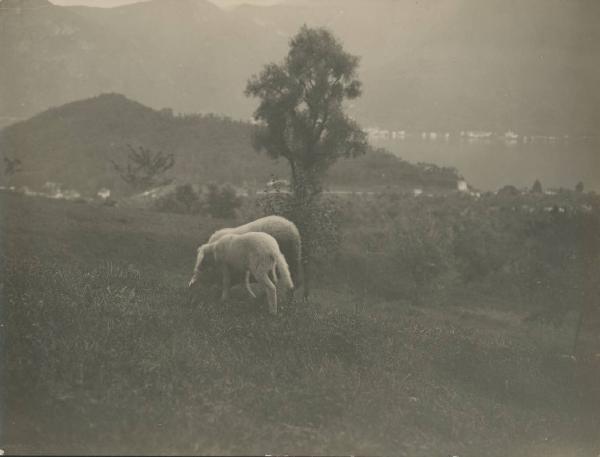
422 251
396 246
222 201
561 264
480 246
317 222
537 187
183 200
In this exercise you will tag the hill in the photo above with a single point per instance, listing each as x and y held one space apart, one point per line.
439 65
73 145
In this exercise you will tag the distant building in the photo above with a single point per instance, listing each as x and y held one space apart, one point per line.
377 134
104 193
277 185
462 186
57 190
479 135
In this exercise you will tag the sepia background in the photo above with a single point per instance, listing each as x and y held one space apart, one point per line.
455 265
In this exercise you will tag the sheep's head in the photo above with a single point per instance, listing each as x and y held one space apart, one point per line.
218 235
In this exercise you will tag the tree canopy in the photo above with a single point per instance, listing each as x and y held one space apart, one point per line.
301 107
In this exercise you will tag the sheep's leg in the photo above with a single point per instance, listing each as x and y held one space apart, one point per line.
290 296
274 271
226 284
271 293
248 284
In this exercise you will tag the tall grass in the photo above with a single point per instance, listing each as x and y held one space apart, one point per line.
112 356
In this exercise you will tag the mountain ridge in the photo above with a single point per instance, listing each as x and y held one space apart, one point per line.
445 65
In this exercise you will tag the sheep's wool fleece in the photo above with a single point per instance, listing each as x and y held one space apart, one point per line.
273 225
285 233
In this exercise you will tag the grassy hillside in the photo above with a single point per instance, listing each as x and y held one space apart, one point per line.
72 144
106 351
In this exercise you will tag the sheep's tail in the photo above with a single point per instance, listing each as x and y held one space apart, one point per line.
292 250
283 269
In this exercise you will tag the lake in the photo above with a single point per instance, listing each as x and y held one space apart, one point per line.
491 163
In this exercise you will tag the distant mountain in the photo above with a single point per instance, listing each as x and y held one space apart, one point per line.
50 55
73 145
186 54
438 65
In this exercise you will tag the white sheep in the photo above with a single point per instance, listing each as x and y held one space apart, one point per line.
254 252
284 231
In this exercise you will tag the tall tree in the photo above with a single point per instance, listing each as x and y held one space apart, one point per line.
301 113
537 187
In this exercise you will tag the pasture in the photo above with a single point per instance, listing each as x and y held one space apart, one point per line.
105 350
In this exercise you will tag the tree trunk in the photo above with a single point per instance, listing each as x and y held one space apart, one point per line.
578 329
306 278
305 188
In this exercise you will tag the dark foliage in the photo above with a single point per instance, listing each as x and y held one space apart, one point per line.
222 201
184 200
537 187
144 168
301 107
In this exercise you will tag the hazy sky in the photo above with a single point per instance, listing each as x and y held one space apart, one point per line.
109 3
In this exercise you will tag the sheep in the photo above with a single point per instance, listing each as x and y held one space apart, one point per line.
253 252
284 231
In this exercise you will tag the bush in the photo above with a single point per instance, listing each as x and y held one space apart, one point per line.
396 246
561 263
184 200
222 201
422 251
480 246
508 247
317 222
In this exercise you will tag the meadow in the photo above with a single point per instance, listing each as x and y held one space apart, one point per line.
105 350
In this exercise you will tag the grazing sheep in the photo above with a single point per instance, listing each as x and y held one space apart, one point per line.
284 231
254 252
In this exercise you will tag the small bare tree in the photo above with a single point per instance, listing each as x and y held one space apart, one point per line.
144 168
12 166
